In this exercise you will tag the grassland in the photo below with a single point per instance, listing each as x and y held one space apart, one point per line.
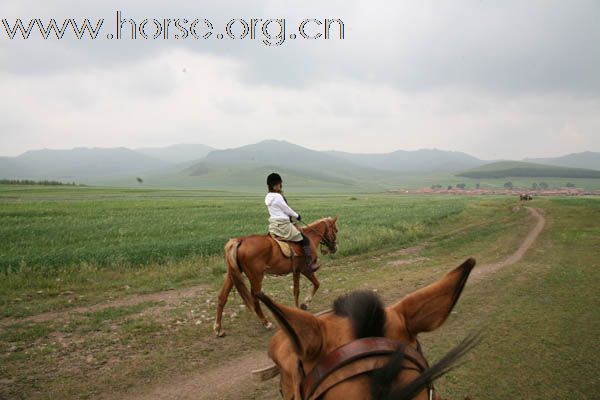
541 315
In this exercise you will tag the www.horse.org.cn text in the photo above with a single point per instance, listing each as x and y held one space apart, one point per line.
269 31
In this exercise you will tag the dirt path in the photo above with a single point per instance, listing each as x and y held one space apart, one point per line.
482 271
169 297
216 383
221 381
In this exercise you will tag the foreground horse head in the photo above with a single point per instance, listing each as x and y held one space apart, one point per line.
362 350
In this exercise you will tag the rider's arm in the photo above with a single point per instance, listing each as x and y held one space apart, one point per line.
285 208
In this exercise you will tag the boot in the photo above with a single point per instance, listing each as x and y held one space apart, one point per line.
311 266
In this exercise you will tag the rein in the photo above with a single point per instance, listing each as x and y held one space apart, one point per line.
356 358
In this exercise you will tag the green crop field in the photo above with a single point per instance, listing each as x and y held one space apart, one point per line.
46 228
66 250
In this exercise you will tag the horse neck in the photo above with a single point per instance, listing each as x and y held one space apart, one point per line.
316 231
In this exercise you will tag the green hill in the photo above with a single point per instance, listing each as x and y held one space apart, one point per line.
177 153
587 159
506 169
78 164
423 160
277 154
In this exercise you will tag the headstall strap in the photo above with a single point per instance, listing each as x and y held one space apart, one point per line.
355 350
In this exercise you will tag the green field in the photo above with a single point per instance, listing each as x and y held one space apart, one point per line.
68 247
250 179
135 227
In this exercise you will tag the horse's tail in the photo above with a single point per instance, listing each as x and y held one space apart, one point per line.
234 270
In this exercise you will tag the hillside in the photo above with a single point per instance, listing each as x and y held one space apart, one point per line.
505 169
587 159
177 153
424 160
78 163
282 154
11 168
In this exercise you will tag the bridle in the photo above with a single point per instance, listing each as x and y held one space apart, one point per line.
325 240
356 358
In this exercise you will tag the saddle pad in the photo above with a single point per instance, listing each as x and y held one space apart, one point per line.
285 247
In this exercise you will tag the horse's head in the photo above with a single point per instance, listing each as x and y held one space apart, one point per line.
306 342
330 235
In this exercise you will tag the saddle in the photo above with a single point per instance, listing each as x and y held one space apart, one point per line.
286 249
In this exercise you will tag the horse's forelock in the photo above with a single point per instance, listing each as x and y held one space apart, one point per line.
365 310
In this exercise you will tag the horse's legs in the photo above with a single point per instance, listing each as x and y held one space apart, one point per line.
221 301
309 298
256 287
296 287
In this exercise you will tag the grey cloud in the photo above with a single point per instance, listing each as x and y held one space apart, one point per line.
508 47
471 74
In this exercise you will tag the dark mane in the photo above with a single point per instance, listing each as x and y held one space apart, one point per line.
365 309
383 378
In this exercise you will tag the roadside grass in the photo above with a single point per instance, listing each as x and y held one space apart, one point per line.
33 291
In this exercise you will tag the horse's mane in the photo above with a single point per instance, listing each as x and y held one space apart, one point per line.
317 222
382 378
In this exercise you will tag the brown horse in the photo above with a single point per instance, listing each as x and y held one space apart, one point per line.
257 255
361 350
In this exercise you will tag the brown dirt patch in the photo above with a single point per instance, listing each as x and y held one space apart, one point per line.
215 383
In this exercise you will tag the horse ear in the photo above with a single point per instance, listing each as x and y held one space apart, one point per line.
426 309
303 328
335 218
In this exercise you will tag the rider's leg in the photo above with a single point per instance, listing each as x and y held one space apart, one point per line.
308 258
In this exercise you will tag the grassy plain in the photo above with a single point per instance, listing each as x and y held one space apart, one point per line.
67 247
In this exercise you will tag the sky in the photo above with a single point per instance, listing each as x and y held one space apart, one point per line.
496 79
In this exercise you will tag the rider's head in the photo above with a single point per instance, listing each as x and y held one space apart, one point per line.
274 182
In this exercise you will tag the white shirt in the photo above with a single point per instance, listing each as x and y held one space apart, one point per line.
278 208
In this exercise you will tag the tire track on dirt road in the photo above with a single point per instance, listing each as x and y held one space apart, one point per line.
228 378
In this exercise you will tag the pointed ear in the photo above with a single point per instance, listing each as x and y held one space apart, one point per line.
303 328
426 309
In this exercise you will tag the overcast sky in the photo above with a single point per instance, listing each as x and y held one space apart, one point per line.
501 79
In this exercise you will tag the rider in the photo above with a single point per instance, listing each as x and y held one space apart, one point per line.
280 219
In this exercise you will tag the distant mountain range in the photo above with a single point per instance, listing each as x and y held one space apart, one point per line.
196 165
177 153
424 160
506 169
78 164
587 159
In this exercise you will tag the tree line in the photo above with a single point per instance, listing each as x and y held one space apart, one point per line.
32 182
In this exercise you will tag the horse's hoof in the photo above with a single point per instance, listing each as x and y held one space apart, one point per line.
268 326
304 306
219 332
